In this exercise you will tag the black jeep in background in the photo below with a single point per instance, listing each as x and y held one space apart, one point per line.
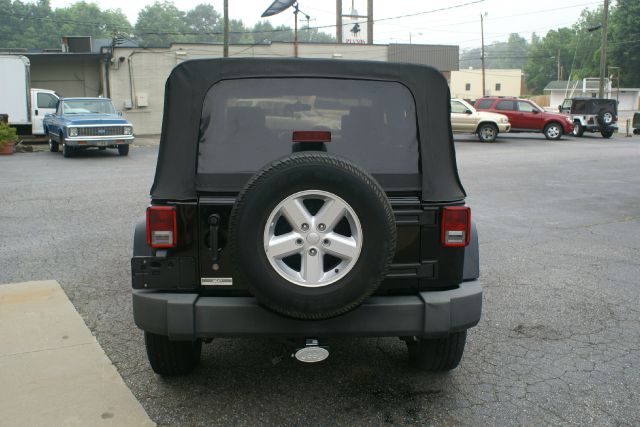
303 200
592 115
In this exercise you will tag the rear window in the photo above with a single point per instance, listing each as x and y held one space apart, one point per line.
248 123
484 103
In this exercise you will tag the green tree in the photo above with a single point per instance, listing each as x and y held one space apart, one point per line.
27 25
160 24
624 46
86 19
206 21
509 54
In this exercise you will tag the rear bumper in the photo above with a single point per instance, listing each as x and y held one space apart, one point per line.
598 128
186 316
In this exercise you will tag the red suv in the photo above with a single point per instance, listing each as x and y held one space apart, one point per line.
527 116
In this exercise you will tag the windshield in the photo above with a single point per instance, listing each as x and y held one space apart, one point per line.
247 123
466 104
88 106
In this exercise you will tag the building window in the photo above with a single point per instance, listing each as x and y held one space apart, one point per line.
498 87
467 86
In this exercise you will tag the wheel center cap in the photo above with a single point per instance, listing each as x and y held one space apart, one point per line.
313 238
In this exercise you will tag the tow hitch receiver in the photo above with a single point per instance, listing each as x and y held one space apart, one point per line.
312 352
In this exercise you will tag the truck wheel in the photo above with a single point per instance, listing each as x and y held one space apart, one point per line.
553 131
123 150
53 145
171 358
578 129
608 133
67 151
487 132
437 354
312 235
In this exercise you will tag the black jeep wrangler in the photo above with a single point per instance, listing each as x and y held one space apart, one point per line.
592 115
303 200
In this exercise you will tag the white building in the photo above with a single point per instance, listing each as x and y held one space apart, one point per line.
467 84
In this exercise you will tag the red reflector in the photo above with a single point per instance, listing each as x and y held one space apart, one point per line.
456 224
161 227
311 136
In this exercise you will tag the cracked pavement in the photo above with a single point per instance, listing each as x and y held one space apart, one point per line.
559 341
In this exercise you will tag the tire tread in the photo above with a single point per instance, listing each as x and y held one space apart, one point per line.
171 358
438 354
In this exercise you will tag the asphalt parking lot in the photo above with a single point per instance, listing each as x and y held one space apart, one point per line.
559 341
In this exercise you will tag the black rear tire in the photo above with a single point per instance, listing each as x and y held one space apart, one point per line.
437 354
608 133
53 145
123 150
170 358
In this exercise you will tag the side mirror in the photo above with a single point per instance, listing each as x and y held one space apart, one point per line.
536 111
560 108
468 111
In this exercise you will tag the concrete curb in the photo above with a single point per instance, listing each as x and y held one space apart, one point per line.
52 369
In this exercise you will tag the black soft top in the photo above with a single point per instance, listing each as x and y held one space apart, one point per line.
190 81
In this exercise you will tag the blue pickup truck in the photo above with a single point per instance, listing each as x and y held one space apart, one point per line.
81 123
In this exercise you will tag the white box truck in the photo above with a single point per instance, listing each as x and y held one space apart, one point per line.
26 107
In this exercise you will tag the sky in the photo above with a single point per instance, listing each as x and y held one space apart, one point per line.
459 25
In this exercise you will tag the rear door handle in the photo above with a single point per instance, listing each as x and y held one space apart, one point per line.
214 227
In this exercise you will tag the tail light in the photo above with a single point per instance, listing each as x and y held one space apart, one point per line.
456 223
161 227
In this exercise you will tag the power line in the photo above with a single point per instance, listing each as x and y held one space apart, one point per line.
275 30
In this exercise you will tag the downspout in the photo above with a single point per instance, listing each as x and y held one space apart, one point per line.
131 88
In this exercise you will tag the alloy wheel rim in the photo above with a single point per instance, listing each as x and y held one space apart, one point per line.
487 133
313 238
553 131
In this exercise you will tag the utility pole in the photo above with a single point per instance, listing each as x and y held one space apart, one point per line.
603 49
370 22
482 54
295 31
225 51
338 21
558 58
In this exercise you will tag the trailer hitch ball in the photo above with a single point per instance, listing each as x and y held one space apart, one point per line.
312 352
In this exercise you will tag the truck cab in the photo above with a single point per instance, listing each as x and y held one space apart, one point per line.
43 102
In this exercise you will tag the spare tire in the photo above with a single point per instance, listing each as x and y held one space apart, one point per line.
312 235
605 117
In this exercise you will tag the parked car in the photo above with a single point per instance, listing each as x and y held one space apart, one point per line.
591 115
636 123
466 119
527 116
343 216
81 123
